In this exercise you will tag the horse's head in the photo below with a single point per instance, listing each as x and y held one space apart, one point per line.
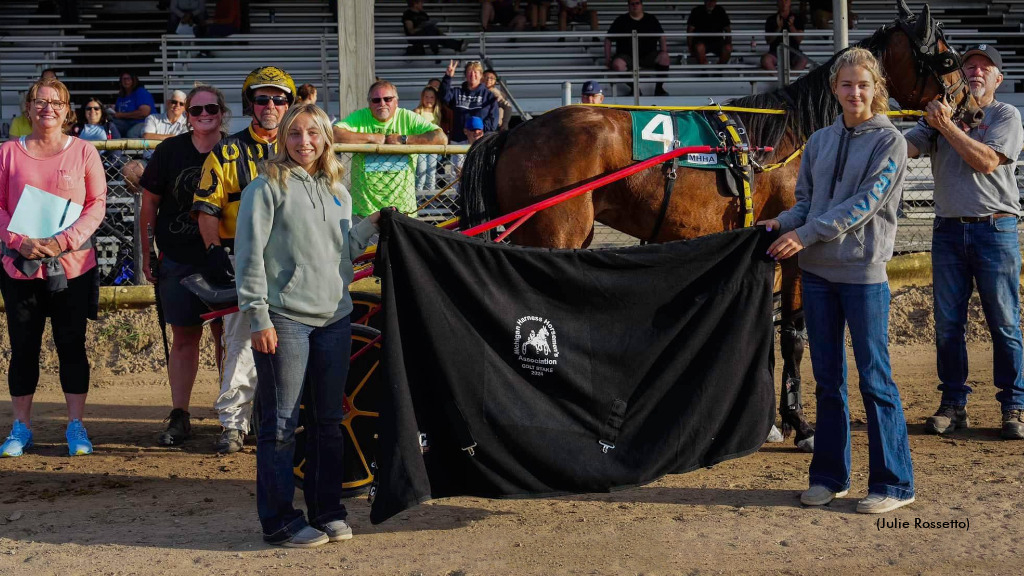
921 66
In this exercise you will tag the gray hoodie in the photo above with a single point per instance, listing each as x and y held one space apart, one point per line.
850 185
294 249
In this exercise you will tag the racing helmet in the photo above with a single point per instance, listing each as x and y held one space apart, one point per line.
262 77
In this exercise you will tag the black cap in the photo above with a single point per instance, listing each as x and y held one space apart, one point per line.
987 50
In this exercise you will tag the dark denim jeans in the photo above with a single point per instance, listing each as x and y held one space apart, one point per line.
828 308
985 254
318 357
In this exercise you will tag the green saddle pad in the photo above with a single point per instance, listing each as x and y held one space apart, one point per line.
655 132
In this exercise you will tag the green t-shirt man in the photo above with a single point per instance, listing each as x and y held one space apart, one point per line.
382 180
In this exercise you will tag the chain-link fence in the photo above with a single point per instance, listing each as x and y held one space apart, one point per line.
433 175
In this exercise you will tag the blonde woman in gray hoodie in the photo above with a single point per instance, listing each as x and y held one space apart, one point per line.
294 245
843 227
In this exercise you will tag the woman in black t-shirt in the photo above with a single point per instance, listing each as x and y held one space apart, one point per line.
169 182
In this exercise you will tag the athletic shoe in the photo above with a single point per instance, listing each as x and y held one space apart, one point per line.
179 428
19 440
1013 425
308 537
880 504
78 439
819 495
337 530
230 441
947 419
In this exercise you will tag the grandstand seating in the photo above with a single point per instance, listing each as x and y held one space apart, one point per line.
301 37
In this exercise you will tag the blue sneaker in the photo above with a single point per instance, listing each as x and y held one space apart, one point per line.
19 441
78 439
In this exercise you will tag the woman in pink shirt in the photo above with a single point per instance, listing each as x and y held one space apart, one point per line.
53 195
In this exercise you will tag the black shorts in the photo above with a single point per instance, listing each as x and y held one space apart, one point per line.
181 307
713 44
649 60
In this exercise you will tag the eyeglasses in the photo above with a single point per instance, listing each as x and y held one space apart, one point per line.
388 99
264 100
175 103
41 104
211 109
92 108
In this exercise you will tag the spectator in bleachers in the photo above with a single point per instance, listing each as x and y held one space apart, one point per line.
306 94
227 19
592 92
49 271
169 182
426 164
171 123
709 22
133 104
189 12
537 12
501 13
434 83
821 13
504 106
446 112
784 19
474 129
570 11
417 22
94 123
471 98
267 93
653 52
382 180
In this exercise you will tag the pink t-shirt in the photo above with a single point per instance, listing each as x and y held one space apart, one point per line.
75 173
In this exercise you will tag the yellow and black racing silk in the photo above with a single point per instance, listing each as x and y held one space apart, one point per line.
228 169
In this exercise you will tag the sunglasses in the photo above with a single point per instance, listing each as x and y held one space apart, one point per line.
211 109
41 104
388 99
175 103
92 108
264 100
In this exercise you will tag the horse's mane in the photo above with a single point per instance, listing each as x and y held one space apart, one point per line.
808 102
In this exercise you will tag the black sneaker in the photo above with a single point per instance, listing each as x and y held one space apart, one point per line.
230 441
179 428
1013 425
659 91
947 419
463 46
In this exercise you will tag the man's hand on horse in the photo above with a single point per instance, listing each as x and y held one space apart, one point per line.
938 114
787 245
453 65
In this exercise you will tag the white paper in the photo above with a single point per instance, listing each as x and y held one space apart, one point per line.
40 214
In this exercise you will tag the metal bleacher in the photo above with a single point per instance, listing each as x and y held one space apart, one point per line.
301 36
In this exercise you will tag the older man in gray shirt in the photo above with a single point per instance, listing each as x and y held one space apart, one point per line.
974 241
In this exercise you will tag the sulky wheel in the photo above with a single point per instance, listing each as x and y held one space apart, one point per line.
366 310
361 412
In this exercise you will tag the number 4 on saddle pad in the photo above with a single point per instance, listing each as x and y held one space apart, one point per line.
658 132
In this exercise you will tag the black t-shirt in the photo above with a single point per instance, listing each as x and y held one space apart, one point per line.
417 18
626 25
771 26
173 174
706 22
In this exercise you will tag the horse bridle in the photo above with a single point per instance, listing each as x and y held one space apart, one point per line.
930 62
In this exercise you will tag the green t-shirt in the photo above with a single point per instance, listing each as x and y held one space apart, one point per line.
382 180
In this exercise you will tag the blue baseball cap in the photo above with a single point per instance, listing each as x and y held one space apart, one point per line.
474 123
592 87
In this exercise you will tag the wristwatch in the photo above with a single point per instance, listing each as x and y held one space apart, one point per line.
403 139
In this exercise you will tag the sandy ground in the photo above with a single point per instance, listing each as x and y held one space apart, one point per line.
137 508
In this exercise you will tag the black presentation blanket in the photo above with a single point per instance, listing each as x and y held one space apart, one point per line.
511 371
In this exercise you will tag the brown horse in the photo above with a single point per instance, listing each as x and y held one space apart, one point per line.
573 145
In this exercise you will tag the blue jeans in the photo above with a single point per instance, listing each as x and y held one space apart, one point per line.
317 357
985 254
426 171
828 308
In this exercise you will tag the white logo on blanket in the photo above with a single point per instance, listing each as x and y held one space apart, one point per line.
536 345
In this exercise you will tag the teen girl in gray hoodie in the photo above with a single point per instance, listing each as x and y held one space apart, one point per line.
843 227
295 243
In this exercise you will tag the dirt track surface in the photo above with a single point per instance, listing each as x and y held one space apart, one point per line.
137 508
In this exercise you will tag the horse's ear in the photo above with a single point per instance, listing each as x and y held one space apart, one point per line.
923 30
904 10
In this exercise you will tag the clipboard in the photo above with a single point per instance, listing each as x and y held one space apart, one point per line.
41 214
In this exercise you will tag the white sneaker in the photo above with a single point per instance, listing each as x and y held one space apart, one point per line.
880 504
819 495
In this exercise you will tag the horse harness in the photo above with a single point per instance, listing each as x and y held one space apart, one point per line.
931 63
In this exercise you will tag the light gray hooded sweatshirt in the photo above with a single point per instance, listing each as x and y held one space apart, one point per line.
294 248
850 185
